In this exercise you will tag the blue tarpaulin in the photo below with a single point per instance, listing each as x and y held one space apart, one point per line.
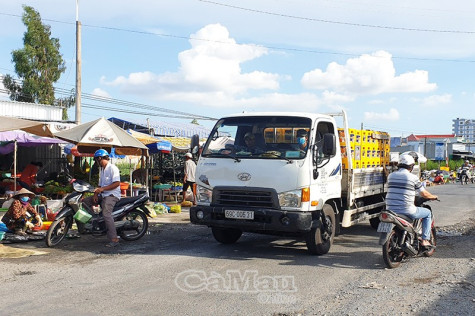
160 146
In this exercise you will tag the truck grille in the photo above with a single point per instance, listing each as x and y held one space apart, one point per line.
250 197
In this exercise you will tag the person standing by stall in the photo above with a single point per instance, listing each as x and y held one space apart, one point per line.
189 179
107 194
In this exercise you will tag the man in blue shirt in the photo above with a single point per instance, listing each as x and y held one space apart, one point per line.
107 194
402 188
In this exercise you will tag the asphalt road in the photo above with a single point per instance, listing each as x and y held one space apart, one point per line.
179 269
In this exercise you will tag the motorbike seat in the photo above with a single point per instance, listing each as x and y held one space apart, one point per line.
128 200
403 216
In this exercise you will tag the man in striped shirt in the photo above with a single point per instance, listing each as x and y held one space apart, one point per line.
402 188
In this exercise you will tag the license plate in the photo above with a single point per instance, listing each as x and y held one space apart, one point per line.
239 214
385 227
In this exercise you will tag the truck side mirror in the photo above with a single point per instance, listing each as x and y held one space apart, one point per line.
195 143
329 145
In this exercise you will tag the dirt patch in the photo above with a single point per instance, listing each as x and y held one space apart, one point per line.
15 253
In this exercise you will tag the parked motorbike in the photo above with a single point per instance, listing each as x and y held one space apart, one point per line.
130 216
401 236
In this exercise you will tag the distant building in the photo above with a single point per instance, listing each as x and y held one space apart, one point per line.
426 145
464 128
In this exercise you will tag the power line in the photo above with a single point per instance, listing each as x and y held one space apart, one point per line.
278 48
338 22
135 105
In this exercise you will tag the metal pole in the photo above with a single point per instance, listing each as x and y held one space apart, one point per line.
78 66
14 166
174 177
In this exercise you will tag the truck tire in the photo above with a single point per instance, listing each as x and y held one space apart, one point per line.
226 235
320 238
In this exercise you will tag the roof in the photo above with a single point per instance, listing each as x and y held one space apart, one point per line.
161 128
32 111
412 137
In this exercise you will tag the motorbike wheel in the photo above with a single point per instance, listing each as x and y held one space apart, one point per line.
320 238
392 253
138 223
433 241
58 230
226 235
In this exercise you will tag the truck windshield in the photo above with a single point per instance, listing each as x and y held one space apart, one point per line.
262 137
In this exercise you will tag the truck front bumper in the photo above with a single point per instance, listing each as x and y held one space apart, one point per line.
265 220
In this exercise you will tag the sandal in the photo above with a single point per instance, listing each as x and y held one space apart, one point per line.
112 244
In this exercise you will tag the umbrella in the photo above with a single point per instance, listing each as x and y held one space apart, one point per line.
8 123
23 139
102 133
420 157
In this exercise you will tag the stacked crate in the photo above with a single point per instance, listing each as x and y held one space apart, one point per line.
369 149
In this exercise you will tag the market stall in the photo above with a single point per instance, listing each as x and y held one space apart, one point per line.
10 140
101 133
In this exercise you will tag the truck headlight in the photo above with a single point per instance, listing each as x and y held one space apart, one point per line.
290 198
205 195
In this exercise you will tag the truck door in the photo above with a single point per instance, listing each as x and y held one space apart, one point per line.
326 177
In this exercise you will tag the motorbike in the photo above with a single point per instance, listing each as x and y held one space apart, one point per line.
130 216
401 236
465 175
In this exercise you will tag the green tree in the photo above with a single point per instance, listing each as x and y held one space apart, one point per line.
38 64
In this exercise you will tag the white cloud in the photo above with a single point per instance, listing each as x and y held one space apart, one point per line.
367 75
332 97
100 93
435 100
392 115
209 71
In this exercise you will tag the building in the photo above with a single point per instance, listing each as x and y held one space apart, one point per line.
464 128
434 147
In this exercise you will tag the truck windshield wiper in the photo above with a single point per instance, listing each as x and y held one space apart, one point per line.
278 156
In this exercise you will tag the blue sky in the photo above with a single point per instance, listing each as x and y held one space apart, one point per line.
403 67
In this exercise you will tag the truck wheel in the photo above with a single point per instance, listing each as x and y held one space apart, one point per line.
226 235
320 239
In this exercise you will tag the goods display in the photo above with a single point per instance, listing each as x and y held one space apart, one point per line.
369 149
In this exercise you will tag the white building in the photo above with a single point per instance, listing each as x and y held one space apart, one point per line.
465 128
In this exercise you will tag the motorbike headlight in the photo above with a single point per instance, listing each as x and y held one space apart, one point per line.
205 195
290 198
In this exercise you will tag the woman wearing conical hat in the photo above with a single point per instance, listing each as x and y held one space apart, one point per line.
20 211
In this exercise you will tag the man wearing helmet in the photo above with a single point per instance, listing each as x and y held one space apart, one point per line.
107 194
402 188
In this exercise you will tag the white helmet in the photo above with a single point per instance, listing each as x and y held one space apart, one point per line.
407 160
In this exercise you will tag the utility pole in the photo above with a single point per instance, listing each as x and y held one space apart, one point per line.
78 65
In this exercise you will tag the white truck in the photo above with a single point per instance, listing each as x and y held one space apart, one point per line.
286 183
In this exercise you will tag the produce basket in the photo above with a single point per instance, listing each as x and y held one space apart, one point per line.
82 216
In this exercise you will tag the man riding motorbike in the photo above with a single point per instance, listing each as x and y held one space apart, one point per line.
465 171
402 188
107 194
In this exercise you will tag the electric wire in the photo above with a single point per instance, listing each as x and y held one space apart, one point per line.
412 29
162 112
277 48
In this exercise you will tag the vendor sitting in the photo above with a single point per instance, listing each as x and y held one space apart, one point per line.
17 217
28 175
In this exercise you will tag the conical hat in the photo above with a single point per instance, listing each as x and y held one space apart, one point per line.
24 191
